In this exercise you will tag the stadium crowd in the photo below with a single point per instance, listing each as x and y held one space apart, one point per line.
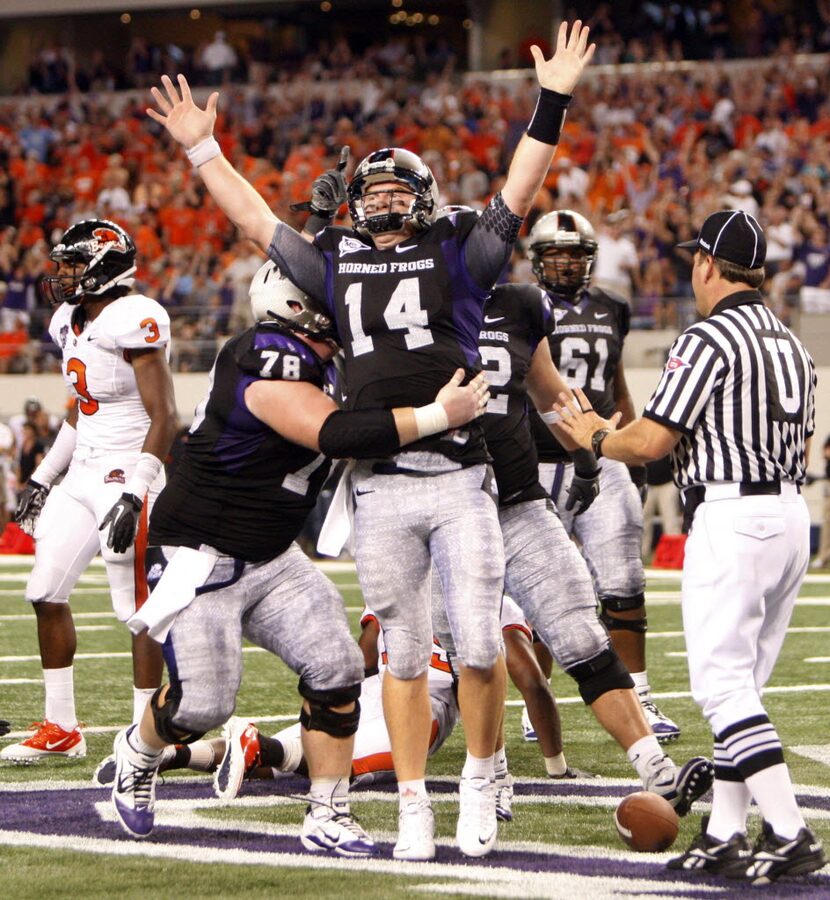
645 155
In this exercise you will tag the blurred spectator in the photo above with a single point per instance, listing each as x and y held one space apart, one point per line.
662 501
616 268
29 454
822 560
218 59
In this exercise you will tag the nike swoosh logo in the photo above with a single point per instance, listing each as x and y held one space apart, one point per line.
399 249
491 319
361 493
600 315
50 745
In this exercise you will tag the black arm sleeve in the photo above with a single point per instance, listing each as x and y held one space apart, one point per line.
490 242
361 434
300 261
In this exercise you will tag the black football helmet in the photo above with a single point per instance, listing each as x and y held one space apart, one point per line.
276 299
562 247
102 256
404 167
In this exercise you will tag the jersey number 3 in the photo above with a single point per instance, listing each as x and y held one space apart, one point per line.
76 370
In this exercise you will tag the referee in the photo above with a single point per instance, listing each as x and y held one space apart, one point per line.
735 408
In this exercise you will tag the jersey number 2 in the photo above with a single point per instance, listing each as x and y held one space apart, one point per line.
76 370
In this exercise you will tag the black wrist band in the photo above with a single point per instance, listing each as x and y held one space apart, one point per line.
596 441
549 116
317 221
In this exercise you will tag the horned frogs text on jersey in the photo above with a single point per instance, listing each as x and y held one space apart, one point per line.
516 318
241 487
411 317
587 349
111 414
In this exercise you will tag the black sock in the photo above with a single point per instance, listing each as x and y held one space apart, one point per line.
180 761
271 752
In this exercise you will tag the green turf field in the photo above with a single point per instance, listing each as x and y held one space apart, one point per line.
569 841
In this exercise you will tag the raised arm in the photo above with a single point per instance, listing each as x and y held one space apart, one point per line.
192 127
558 77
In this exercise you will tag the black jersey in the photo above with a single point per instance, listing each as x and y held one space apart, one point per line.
516 318
241 487
586 348
407 318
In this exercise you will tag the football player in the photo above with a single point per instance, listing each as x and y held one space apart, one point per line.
591 325
223 535
407 294
115 345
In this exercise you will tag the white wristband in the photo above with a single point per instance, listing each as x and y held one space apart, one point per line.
145 473
204 151
431 419
58 457
550 418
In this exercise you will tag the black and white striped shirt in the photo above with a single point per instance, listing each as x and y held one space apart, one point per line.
741 389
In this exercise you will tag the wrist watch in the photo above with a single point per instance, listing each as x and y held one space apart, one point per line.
596 440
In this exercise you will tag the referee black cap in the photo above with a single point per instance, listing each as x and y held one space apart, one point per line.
731 235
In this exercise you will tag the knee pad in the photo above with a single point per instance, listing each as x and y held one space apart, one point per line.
321 716
163 718
604 672
638 626
622 604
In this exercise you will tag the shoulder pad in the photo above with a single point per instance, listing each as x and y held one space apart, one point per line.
134 322
268 351
603 296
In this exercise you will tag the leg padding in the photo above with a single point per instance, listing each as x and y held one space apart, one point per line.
163 718
605 672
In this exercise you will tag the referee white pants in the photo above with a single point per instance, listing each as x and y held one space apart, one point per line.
745 560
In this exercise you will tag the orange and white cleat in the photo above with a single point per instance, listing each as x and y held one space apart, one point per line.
49 740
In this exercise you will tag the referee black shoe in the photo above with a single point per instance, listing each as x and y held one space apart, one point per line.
708 854
774 856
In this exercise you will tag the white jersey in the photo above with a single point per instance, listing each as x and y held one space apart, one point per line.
512 618
96 366
439 675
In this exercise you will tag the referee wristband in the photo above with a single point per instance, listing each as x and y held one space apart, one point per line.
549 116
204 151
145 473
430 419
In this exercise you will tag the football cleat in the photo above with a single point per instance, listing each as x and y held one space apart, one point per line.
478 825
416 832
774 856
104 774
708 854
572 772
528 731
504 797
663 727
335 829
681 787
49 740
241 755
134 787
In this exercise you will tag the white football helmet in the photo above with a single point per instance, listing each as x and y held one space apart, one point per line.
274 298
562 247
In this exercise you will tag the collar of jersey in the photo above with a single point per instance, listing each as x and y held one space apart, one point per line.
739 298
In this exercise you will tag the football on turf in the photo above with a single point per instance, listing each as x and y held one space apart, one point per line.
646 822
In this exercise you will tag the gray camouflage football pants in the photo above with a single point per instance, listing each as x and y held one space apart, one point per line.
403 525
610 532
286 606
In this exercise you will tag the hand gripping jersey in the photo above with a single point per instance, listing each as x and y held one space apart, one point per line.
516 318
587 349
241 487
407 317
96 365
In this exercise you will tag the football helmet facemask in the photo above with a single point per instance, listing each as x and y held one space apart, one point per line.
562 248
276 299
393 164
102 256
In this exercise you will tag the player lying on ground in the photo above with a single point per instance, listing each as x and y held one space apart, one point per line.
224 532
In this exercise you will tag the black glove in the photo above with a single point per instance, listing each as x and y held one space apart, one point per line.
5 727
328 194
585 483
123 522
638 476
29 505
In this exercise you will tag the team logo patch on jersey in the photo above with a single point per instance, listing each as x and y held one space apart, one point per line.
559 314
115 475
675 363
351 245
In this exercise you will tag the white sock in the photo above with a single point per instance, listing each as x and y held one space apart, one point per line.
730 806
772 790
500 762
141 697
328 793
476 767
647 757
137 743
556 765
202 756
641 685
60 697
409 791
